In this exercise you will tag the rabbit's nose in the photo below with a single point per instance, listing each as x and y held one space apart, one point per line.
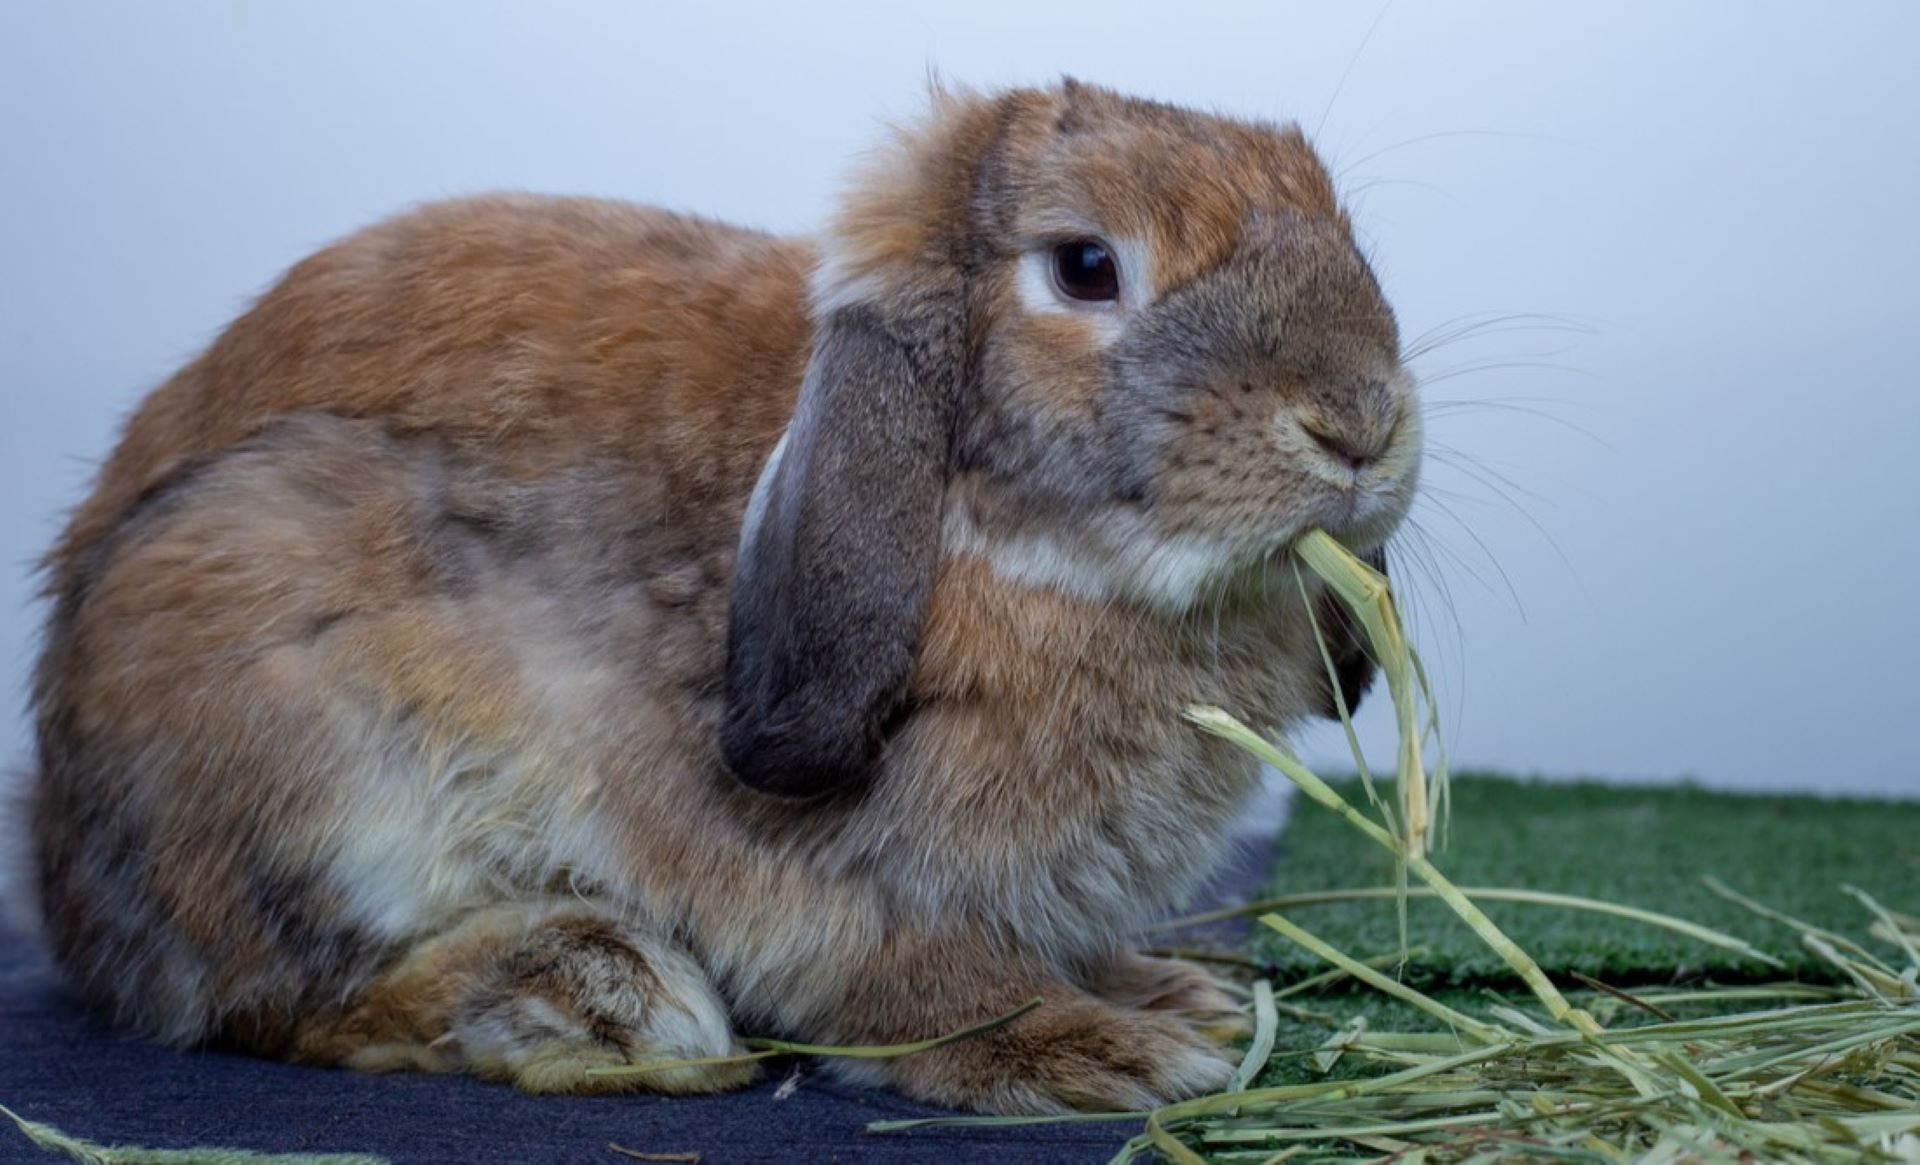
1347 449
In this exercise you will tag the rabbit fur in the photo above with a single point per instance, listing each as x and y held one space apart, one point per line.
545 634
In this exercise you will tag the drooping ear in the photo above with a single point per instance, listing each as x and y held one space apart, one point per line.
1352 666
837 556
842 536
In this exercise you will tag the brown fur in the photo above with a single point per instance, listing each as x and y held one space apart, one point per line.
380 708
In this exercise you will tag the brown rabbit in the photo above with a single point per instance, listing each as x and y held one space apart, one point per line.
544 634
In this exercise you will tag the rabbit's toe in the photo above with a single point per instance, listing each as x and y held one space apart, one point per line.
1071 1054
1180 988
1135 1063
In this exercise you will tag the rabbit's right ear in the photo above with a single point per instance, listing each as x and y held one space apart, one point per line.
841 538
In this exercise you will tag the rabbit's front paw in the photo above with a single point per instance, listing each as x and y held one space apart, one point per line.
1176 987
581 993
1073 1053
540 994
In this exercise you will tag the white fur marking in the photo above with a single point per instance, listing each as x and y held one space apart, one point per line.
687 1017
1118 555
1033 286
762 495
1136 273
834 283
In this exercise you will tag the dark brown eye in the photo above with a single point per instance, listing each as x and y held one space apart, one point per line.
1084 269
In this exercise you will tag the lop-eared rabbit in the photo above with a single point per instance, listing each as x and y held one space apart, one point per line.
545 634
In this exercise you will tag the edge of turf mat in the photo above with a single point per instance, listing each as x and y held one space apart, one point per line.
1640 846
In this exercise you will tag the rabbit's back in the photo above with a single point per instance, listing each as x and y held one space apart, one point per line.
374 594
534 329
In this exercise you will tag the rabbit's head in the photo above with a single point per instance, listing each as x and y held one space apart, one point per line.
1122 349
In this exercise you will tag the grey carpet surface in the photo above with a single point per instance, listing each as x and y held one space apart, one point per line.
60 1066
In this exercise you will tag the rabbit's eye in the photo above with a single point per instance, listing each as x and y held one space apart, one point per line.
1084 269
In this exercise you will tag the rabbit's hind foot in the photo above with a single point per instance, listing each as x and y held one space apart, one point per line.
541 995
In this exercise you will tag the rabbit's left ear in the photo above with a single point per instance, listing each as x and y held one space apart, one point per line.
839 547
843 532
840 541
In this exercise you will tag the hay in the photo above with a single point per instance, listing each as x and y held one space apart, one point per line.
1365 592
1835 1080
763 1049
88 1153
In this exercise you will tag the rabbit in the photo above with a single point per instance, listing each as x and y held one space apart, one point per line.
543 635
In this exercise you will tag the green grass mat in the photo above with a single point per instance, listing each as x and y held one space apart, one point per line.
1640 846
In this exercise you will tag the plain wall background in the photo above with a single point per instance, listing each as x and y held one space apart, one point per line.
1672 533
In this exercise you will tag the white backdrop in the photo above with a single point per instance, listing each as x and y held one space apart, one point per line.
1673 532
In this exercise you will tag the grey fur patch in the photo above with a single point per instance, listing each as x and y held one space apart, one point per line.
19 885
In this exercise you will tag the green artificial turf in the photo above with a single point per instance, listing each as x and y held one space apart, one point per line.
1640 846
1645 846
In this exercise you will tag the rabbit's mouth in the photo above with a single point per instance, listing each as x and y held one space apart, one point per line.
1218 515
1360 526
1363 512
1364 494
